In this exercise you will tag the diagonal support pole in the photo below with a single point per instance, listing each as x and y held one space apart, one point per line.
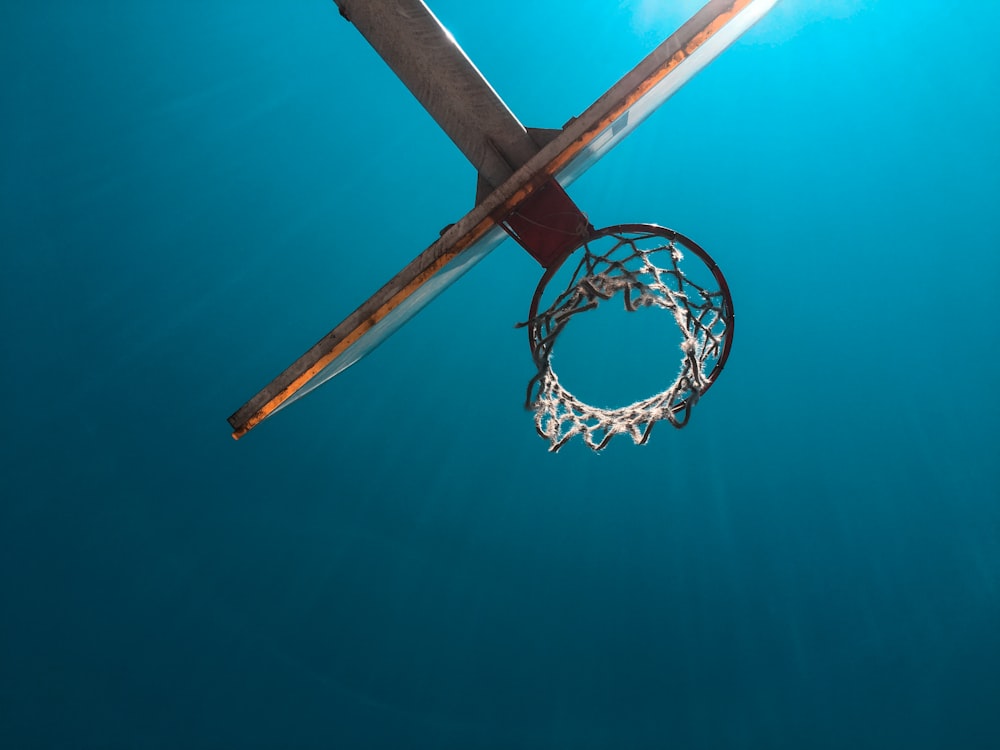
426 58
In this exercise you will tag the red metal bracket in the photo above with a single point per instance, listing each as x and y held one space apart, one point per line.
548 224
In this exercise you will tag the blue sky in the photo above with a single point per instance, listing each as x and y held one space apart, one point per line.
194 193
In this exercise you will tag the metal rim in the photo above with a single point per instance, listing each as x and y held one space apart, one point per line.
658 231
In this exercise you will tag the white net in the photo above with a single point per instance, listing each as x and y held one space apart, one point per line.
641 264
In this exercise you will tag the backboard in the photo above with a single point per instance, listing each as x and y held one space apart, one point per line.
513 162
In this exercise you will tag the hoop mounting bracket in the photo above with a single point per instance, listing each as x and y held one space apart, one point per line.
548 224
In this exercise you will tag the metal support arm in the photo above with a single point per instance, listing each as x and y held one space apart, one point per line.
434 68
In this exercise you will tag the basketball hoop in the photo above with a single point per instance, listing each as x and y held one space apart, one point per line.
641 265
522 176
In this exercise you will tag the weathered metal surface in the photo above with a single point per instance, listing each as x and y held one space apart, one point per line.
426 58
